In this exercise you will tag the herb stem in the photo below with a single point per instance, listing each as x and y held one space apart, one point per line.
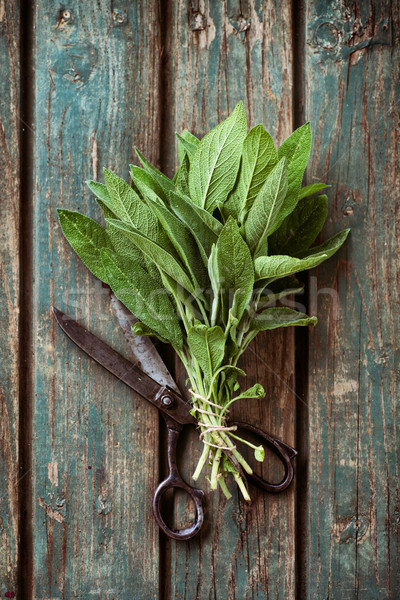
223 486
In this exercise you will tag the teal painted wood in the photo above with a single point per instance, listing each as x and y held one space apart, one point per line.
217 56
352 100
96 445
9 294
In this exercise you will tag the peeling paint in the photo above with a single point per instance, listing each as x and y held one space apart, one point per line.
50 512
53 473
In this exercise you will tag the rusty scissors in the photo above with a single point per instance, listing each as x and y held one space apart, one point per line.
164 395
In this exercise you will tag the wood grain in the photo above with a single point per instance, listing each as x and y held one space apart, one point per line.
218 54
9 293
95 456
352 510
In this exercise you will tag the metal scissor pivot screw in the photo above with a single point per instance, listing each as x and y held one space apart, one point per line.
167 401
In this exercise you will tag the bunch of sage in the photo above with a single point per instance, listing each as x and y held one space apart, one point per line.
203 258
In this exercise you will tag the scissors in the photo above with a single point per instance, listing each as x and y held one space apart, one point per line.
175 409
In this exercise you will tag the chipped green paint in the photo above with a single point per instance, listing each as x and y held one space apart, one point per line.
352 91
94 466
9 294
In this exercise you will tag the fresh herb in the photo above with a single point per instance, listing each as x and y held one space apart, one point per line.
203 258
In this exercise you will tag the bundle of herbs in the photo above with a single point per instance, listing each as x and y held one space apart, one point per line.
202 260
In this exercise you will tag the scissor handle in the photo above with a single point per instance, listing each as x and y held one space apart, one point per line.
174 480
283 451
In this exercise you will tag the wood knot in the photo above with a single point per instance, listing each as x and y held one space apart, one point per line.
75 62
198 21
240 25
119 17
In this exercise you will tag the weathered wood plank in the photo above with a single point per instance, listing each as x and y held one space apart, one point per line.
95 459
220 53
352 100
9 293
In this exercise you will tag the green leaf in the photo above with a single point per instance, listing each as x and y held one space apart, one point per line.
327 248
259 156
259 453
264 213
87 238
215 164
310 190
207 345
186 212
279 289
187 145
163 259
207 218
140 328
147 185
127 205
271 267
272 318
122 244
300 229
100 191
256 391
234 265
142 296
162 179
108 214
296 149
182 180
183 242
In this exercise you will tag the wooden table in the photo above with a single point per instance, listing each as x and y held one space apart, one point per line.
82 83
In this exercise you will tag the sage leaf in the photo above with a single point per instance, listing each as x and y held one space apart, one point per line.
127 205
187 145
162 179
259 156
259 453
163 259
215 163
183 243
296 149
255 391
100 191
122 244
186 212
235 273
300 229
87 238
327 248
133 286
272 318
140 328
147 185
310 190
272 267
207 218
263 214
182 180
278 290
208 346
108 214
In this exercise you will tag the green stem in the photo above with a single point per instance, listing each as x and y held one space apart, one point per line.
242 487
244 441
202 461
223 487
215 467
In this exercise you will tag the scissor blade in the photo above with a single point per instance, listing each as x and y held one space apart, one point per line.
146 356
123 369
